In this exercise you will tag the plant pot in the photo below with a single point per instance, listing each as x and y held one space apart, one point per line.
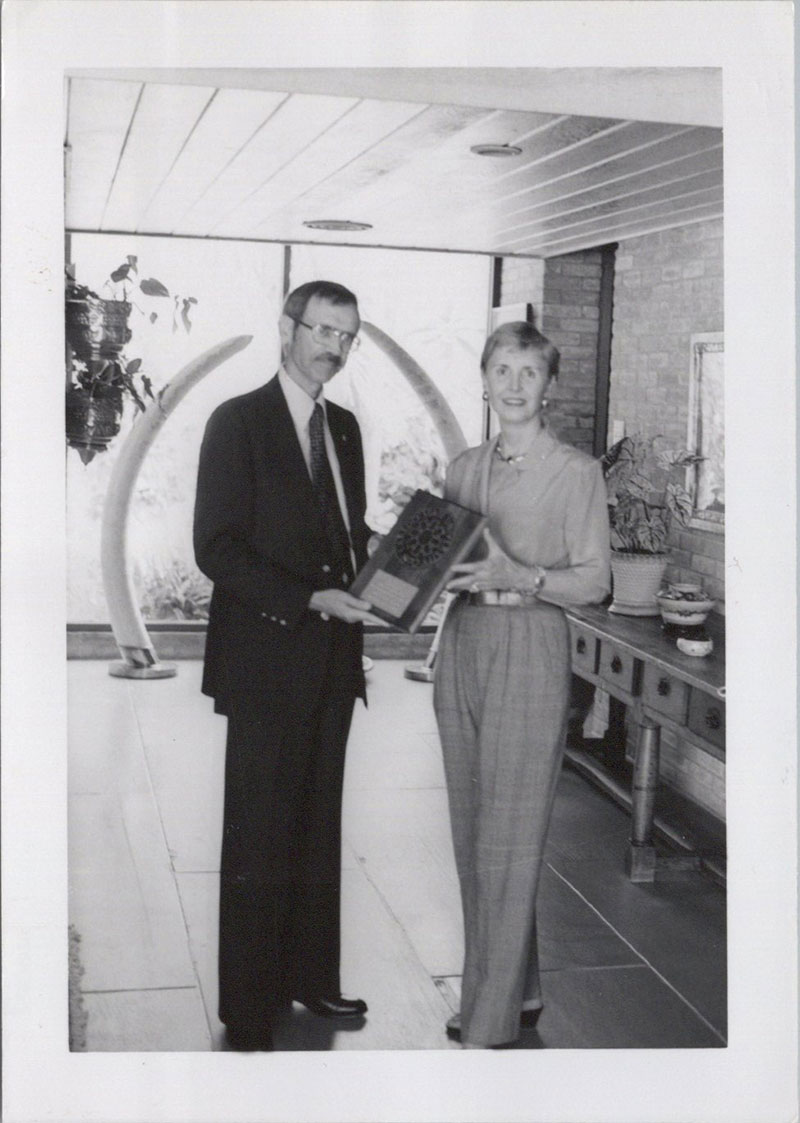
93 418
684 611
637 580
97 328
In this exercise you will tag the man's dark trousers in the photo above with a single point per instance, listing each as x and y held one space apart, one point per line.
281 854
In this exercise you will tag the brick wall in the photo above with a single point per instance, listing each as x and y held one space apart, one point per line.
667 287
570 318
566 297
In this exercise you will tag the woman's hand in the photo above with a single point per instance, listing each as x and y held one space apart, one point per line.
494 571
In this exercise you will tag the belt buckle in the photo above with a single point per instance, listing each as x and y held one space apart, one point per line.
497 598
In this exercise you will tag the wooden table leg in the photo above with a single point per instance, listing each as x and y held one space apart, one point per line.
641 858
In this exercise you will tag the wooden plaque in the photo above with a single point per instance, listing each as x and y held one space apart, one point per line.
411 566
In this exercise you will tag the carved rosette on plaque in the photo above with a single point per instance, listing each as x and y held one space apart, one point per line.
410 568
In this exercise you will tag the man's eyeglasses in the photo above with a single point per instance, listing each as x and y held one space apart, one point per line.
325 334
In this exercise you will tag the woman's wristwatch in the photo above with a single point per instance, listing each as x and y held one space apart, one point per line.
538 584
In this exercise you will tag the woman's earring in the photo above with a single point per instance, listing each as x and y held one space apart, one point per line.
485 395
544 403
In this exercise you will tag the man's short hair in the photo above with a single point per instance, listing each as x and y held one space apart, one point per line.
297 301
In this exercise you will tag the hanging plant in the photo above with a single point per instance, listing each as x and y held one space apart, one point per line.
93 418
121 281
100 376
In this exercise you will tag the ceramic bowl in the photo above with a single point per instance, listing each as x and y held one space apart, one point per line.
687 610
696 647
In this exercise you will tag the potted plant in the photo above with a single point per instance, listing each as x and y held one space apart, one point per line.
644 499
99 375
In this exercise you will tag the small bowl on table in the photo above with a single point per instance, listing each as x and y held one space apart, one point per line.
696 645
684 605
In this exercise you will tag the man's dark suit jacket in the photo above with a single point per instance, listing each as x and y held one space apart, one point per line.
259 536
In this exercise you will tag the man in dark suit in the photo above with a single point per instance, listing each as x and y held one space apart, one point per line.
279 528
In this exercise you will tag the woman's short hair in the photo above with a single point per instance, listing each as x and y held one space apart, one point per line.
525 337
297 301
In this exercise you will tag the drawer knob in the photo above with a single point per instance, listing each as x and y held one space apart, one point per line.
616 664
664 687
713 718
580 646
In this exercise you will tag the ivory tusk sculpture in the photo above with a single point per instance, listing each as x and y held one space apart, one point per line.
444 419
454 441
139 657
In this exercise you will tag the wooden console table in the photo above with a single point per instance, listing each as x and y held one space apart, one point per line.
632 659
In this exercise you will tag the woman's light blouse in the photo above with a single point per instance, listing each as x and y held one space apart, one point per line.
548 510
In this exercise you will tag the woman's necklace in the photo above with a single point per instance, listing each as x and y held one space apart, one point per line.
514 458
510 459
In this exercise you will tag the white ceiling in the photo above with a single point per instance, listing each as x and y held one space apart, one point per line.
242 154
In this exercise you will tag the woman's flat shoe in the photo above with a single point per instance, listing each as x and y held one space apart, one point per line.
527 1020
453 1028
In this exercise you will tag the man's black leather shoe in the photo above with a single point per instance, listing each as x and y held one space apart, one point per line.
248 1040
334 1006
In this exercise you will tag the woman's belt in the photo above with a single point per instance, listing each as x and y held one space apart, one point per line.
502 598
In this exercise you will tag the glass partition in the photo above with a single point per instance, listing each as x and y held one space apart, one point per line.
238 287
434 305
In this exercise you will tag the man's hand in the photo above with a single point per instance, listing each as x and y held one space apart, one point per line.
342 605
373 543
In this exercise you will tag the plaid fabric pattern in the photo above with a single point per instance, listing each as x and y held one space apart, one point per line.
501 699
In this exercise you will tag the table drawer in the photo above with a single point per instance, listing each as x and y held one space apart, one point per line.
662 692
707 717
583 645
619 668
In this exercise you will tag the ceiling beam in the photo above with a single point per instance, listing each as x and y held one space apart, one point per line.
675 95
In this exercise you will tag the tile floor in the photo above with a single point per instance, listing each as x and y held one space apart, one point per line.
626 966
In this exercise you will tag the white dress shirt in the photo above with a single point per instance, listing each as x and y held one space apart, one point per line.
301 406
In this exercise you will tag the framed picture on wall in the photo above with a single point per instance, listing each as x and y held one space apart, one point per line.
706 434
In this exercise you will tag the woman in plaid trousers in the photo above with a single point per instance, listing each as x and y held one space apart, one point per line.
502 679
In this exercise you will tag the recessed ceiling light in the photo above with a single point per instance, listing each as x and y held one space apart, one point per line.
336 224
496 150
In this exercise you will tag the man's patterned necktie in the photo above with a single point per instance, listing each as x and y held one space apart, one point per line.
325 492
